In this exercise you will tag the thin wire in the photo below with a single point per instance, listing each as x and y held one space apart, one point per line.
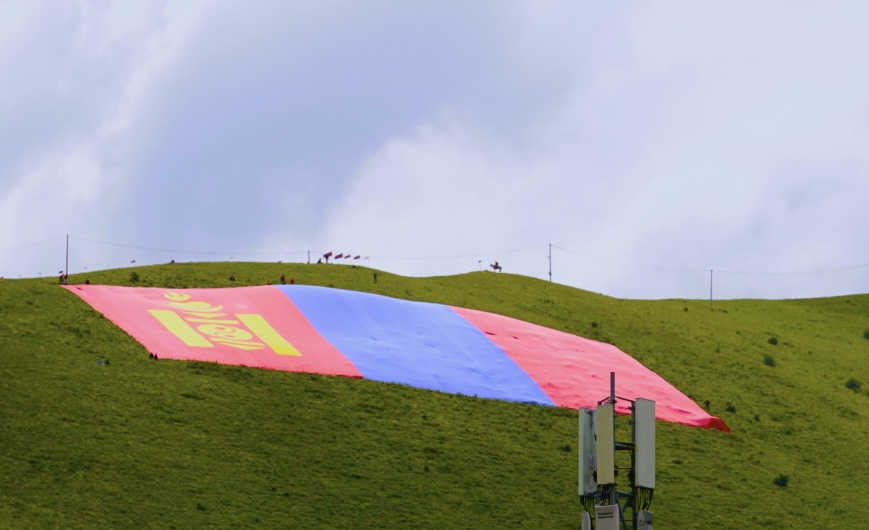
465 256
451 257
181 251
795 273
31 244
633 263
717 271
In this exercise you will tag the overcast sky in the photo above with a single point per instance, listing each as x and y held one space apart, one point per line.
648 143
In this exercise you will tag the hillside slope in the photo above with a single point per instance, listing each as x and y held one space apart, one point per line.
143 443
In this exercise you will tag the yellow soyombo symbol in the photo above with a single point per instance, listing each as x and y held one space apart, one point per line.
202 325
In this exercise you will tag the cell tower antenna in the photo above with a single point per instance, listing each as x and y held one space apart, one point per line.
599 469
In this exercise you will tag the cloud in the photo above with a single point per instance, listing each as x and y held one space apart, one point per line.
81 75
647 144
669 161
277 107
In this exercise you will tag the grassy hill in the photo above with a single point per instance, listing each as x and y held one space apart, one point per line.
169 444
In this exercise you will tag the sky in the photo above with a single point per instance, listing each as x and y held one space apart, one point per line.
645 150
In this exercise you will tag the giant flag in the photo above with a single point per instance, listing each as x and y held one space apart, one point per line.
329 331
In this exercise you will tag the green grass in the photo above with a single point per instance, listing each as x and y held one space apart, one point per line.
167 444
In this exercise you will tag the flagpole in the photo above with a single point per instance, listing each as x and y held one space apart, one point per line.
66 264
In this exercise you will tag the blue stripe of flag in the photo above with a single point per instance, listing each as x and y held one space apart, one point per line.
413 343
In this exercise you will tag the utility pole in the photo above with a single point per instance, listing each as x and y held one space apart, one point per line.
550 262
710 289
66 264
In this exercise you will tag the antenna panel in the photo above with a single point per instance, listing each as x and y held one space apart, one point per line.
605 450
587 456
644 450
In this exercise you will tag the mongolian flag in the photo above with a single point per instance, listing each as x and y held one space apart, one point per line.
305 328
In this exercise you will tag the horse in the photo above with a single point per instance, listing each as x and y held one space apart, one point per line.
495 267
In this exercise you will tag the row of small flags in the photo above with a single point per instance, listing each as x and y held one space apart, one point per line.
329 254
